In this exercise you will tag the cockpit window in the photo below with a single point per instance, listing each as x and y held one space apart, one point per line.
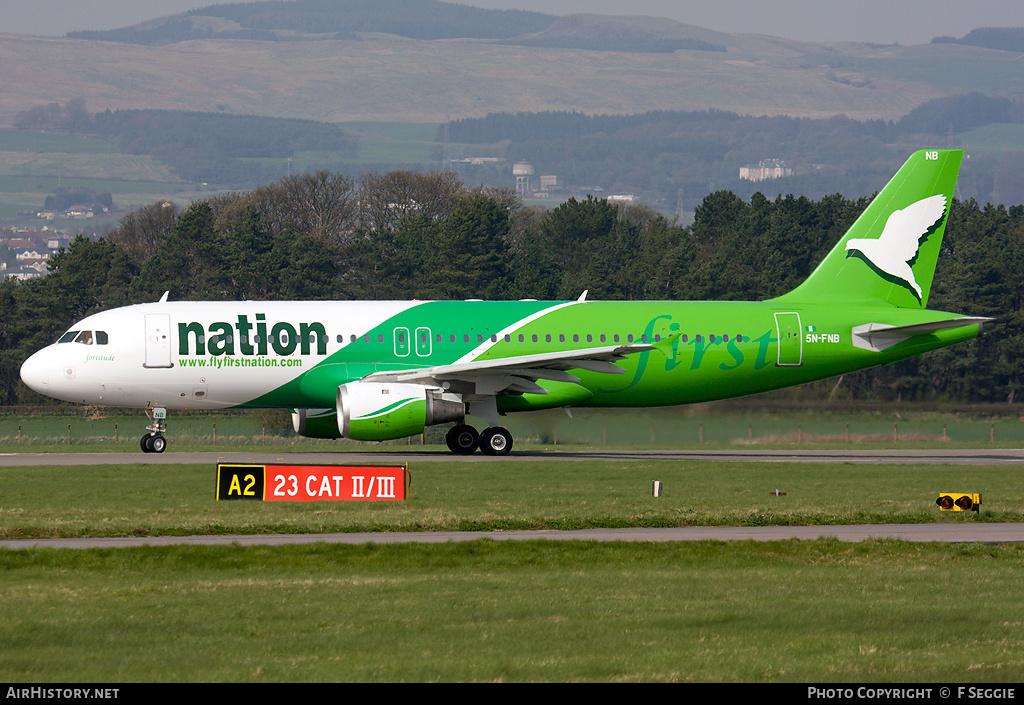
85 337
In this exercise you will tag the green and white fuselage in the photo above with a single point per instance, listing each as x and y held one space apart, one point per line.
383 369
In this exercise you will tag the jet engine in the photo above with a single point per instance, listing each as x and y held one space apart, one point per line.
379 411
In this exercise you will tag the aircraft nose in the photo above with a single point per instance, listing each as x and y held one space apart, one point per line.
35 372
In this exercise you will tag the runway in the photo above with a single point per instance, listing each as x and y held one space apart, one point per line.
951 532
942 456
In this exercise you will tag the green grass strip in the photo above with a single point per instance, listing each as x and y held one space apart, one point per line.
820 611
146 500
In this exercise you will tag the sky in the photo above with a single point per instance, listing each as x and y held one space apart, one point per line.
880 21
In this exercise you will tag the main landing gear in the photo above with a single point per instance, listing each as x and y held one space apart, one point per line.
155 441
463 440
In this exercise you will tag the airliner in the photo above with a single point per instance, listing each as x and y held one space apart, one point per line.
380 370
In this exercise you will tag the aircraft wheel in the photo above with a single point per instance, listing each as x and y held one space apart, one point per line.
496 441
153 443
462 439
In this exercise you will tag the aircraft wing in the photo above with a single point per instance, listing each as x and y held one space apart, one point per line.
520 373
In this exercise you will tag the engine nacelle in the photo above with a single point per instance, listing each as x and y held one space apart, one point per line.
380 411
316 423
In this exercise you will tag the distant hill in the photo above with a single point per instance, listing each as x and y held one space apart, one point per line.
418 61
305 20
1000 38
282 20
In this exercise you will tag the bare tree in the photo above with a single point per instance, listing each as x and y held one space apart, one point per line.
386 199
140 232
321 204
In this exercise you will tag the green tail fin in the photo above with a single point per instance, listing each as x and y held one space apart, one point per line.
889 254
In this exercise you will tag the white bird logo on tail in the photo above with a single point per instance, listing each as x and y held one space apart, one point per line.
901 237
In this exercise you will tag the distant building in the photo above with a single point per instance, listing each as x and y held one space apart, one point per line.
479 161
765 170
548 182
522 171
626 198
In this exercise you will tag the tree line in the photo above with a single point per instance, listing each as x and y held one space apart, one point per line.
999 38
673 158
219 148
406 235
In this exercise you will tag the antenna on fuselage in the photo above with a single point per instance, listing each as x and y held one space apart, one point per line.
583 296
163 299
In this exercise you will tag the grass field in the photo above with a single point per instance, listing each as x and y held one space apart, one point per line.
509 611
880 611
500 611
144 500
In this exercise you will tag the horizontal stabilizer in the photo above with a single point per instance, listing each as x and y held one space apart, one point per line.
879 336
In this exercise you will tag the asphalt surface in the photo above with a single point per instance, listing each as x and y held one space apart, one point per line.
899 456
951 532
946 533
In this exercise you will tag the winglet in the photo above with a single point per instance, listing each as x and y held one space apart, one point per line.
665 346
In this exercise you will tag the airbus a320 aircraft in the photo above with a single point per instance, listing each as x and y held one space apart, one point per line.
377 370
